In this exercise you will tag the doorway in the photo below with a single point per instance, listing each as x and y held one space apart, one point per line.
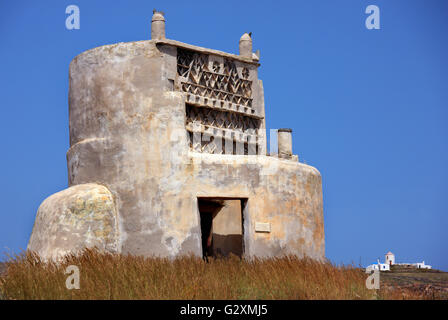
221 226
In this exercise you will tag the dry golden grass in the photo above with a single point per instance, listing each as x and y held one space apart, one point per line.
113 276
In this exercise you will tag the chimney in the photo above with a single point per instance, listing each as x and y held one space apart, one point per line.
246 45
284 140
158 25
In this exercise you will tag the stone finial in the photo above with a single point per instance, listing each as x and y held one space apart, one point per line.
256 55
246 45
158 25
284 141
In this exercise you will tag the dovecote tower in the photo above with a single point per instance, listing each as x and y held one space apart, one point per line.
168 157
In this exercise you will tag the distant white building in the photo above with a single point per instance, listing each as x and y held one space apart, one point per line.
422 265
378 266
418 265
390 260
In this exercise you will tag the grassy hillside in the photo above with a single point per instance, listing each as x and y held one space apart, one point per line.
107 276
430 282
2 268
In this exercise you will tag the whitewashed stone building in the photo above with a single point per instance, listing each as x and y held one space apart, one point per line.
390 261
168 157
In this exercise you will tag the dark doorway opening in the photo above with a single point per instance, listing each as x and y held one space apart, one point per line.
221 226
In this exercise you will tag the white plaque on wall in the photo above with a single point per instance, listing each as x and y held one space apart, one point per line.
262 227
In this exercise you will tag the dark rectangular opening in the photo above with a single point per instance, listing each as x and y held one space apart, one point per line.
222 226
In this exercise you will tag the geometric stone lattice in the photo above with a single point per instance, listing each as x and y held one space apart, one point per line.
213 129
213 81
221 132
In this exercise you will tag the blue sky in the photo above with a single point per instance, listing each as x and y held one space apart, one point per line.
368 108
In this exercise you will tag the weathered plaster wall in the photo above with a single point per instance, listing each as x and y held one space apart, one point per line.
286 194
123 134
78 217
127 132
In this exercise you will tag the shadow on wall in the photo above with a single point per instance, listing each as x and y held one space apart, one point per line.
223 245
